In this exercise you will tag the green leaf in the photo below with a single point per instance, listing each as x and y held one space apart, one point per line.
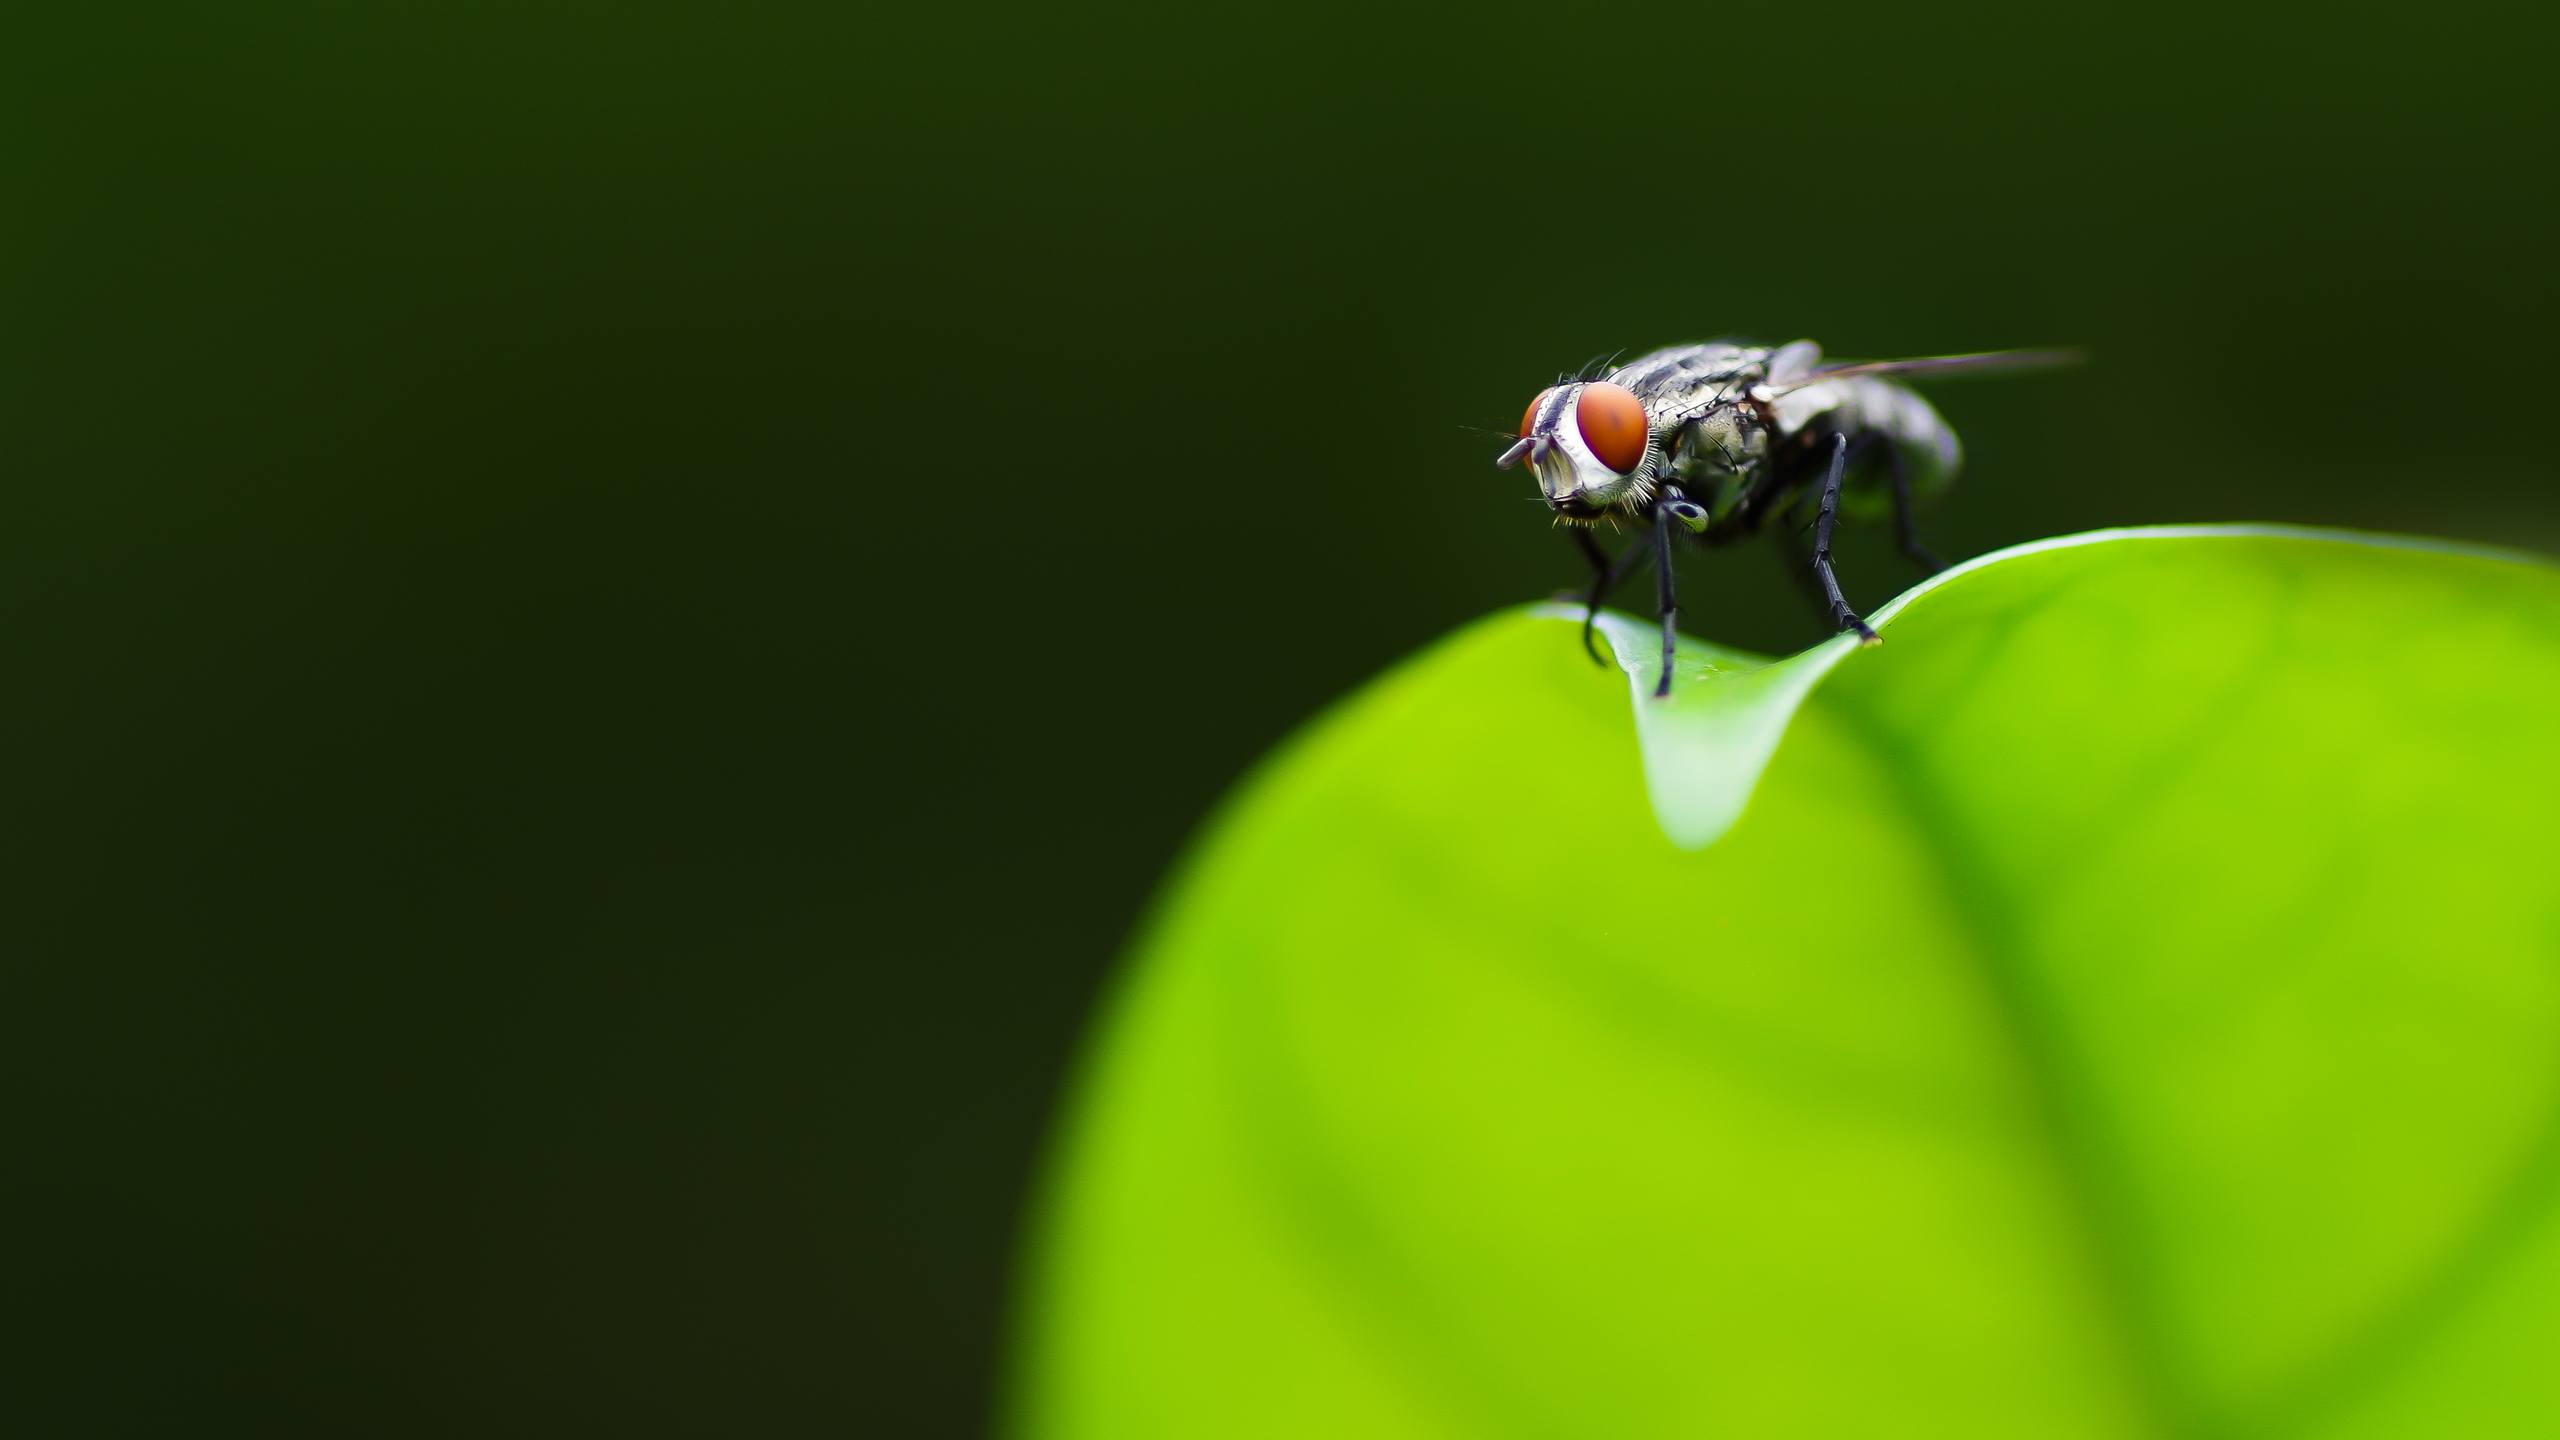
2129 1004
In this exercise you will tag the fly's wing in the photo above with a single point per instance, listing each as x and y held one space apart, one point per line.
1990 362
1793 361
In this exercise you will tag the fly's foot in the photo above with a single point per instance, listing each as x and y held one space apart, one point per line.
1849 622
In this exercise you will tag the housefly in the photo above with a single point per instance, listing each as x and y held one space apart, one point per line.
1716 441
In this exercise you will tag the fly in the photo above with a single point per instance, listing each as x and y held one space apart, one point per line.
1716 440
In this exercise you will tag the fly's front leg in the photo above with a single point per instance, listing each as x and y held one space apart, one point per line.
1600 564
1603 580
1605 575
1674 508
1842 617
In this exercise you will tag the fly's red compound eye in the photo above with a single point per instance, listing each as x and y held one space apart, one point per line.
1613 425
1529 416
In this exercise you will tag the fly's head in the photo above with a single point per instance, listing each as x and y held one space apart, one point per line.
1590 446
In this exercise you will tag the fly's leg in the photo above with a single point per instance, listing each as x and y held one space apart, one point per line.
1842 617
1598 591
1798 560
1905 526
1751 508
1605 575
1663 520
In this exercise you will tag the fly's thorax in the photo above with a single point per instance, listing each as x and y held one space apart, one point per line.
1683 379
1723 440
1702 400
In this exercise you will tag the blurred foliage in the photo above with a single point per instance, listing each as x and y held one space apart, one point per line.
2128 1007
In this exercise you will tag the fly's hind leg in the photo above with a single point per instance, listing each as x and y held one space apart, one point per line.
1906 527
1842 617
1797 559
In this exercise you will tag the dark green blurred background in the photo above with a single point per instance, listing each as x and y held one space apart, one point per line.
610 612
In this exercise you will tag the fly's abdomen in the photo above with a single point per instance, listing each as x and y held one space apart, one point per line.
1863 406
1930 452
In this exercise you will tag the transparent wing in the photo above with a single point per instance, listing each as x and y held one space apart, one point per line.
1989 362
1793 361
